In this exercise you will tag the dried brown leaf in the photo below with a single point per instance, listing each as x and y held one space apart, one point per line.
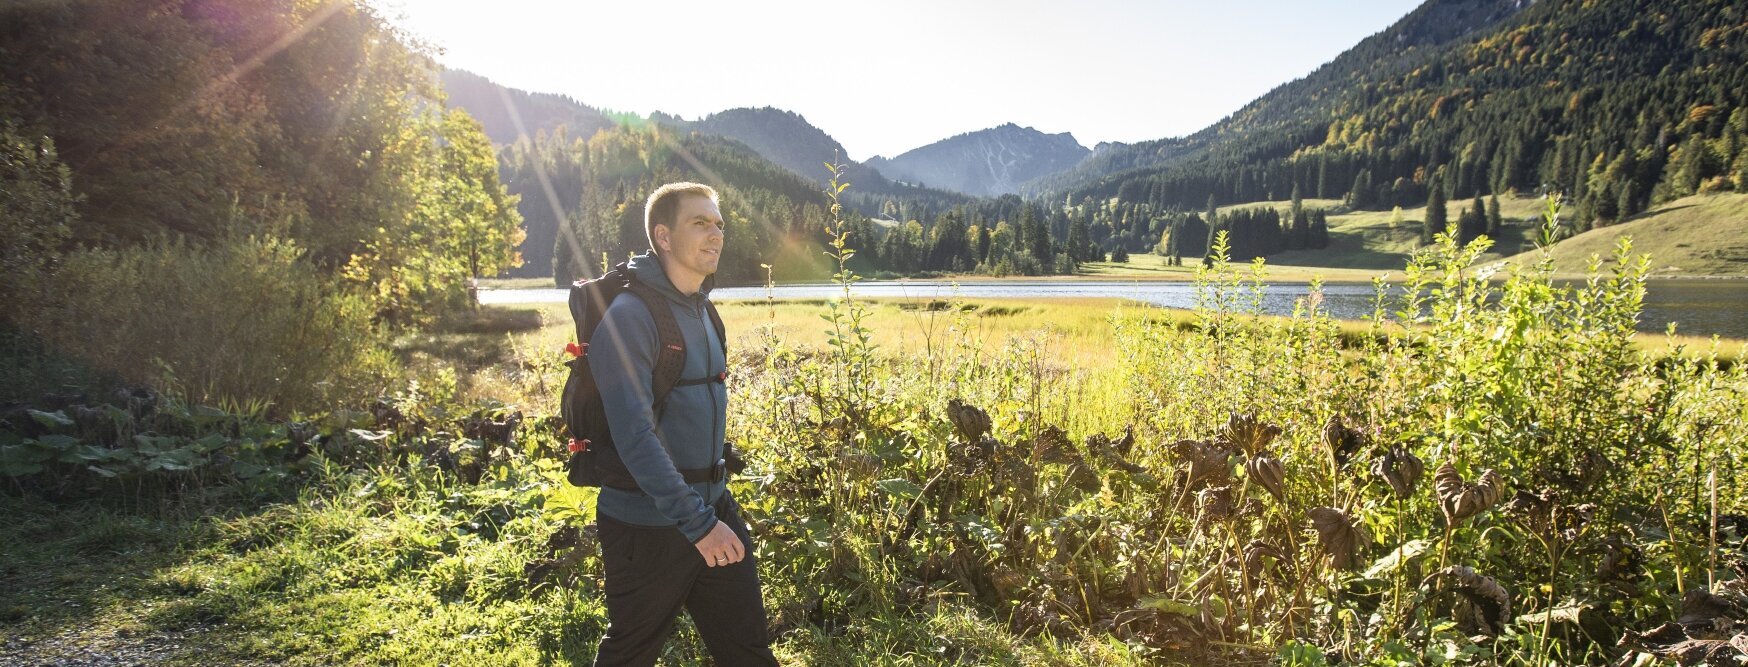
1484 606
1103 444
1343 442
1051 445
1209 465
1461 500
1268 472
1401 469
1248 434
1532 509
1258 553
1338 535
1216 503
1705 651
969 421
1702 607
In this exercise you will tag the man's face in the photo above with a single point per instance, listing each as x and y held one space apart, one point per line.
693 246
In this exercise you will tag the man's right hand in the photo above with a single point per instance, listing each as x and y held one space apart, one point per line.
721 547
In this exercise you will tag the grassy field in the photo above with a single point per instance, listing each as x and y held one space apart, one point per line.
515 283
1362 244
1078 334
1699 236
1702 235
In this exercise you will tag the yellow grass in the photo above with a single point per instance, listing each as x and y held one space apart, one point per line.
1075 334
1703 235
1153 267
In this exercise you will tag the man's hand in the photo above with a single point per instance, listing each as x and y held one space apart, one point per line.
721 547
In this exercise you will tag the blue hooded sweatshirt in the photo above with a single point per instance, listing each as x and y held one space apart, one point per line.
693 424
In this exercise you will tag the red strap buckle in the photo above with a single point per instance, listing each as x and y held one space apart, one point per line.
579 445
722 377
577 350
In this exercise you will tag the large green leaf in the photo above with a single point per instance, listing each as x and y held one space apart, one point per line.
212 442
902 488
14 458
154 444
52 420
247 469
83 454
1170 606
1410 550
55 442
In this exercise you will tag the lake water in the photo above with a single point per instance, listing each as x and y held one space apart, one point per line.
1701 307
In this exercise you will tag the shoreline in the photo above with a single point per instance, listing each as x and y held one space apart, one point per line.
1388 276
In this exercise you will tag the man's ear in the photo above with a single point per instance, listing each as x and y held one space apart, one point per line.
662 237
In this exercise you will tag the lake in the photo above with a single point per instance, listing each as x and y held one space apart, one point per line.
1700 307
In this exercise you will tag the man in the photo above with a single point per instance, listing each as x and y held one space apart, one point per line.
672 544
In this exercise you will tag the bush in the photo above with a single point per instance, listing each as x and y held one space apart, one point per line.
36 214
248 320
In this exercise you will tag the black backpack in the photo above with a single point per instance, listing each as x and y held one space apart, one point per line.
594 461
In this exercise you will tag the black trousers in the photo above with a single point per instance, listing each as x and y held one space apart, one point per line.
652 572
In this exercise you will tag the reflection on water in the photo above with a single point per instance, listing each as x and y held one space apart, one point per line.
1701 307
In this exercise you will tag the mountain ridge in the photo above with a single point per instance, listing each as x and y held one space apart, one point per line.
989 162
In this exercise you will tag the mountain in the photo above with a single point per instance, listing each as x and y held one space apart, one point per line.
783 137
987 163
786 138
1620 104
499 108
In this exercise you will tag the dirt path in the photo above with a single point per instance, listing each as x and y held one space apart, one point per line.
99 648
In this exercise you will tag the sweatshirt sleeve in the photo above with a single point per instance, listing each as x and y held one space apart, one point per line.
622 355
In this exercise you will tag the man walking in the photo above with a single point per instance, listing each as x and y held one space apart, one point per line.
671 544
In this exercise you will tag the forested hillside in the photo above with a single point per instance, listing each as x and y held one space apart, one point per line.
503 110
774 217
1617 103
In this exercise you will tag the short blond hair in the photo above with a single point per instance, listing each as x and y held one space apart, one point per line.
664 204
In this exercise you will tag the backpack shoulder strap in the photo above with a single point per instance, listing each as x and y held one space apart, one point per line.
670 358
721 331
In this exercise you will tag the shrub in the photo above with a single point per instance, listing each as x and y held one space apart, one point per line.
246 320
36 214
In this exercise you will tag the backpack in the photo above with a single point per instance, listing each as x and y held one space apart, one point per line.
594 461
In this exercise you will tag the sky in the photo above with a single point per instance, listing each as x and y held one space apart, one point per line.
885 77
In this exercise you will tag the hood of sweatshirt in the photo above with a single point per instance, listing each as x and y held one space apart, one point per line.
648 270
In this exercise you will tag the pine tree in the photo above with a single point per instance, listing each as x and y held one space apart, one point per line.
1319 230
1079 243
1361 196
1322 176
1494 222
1434 223
1477 219
1037 237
